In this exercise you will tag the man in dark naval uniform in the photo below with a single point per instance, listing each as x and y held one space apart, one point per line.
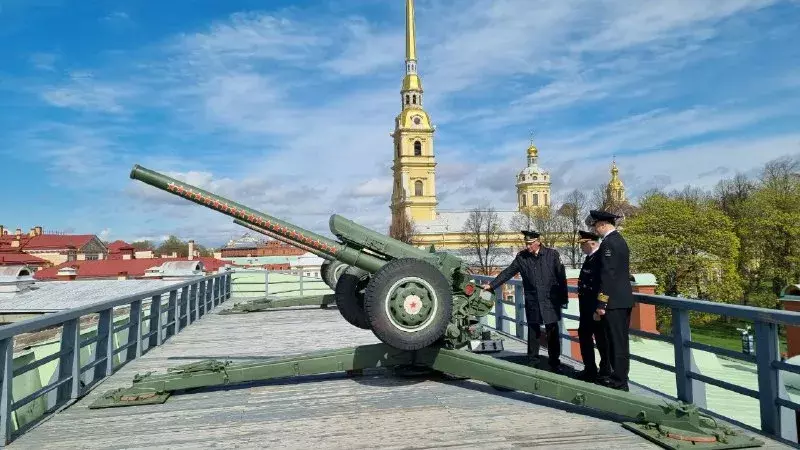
615 295
544 283
590 331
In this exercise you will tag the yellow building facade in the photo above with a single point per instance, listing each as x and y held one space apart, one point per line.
414 183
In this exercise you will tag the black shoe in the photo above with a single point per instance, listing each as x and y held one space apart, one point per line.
559 369
614 384
588 376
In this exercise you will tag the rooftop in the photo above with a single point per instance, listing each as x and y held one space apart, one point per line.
51 296
318 412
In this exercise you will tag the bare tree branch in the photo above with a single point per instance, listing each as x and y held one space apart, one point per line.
482 229
402 227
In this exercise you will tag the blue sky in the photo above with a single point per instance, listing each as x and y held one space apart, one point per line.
287 106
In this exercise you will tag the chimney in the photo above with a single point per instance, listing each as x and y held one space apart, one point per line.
18 232
38 230
32 232
191 249
2 230
122 275
67 273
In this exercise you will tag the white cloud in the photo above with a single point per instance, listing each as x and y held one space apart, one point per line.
302 107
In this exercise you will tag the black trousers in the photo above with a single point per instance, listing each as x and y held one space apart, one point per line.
553 342
589 328
617 324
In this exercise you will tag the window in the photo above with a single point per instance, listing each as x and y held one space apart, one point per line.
417 148
414 99
535 199
418 188
524 200
407 99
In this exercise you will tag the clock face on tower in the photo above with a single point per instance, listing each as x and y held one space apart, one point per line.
416 120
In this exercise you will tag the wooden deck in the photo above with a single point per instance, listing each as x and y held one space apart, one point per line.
319 412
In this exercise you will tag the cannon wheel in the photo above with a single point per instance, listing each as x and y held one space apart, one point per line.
323 271
408 303
350 296
333 272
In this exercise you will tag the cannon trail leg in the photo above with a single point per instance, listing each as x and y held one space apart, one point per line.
670 425
266 304
150 388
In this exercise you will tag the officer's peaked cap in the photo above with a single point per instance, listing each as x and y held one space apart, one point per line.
530 235
587 236
605 216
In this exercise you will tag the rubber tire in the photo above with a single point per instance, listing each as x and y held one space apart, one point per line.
349 300
332 274
323 271
375 303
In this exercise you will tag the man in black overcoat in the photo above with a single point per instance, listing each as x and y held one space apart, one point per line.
590 331
615 295
544 283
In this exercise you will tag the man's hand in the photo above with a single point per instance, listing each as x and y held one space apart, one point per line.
486 287
599 312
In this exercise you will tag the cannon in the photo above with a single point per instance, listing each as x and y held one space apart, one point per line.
408 297
423 306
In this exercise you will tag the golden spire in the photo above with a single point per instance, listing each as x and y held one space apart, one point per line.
411 81
411 41
532 150
615 188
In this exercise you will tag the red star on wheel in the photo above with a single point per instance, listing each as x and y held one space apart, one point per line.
413 305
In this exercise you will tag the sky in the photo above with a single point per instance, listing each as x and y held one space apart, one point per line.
286 106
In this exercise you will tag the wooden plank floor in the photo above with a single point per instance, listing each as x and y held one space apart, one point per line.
319 412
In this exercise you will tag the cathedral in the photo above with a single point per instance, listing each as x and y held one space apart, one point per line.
414 186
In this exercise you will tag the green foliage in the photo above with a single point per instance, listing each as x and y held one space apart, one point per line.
689 244
739 243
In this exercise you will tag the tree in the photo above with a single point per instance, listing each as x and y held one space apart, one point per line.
143 245
402 227
542 219
573 211
690 246
173 244
482 229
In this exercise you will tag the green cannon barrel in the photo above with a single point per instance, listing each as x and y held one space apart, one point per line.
277 236
293 233
350 232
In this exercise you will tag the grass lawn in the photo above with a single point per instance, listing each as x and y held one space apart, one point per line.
724 336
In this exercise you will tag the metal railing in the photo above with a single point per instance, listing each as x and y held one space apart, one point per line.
276 282
777 412
185 303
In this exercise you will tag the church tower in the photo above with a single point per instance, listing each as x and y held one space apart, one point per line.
414 165
615 190
533 183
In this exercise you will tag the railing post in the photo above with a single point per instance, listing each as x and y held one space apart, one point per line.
228 287
105 344
201 299
172 313
191 314
688 390
6 387
182 308
519 312
69 362
498 309
302 273
155 322
766 353
135 331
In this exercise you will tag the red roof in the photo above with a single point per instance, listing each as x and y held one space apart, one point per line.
12 258
46 241
117 246
109 268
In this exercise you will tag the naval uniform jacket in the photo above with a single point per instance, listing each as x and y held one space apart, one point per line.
588 285
544 283
614 283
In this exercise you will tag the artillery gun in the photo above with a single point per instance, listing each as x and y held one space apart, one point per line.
411 298
423 306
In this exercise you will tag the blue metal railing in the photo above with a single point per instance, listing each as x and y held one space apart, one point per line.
164 319
777 412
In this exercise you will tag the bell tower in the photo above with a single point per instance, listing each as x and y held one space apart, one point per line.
414 187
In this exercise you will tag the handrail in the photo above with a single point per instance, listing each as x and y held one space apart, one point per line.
774 404
197 296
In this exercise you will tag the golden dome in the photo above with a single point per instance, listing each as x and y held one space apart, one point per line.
533 151
411 82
